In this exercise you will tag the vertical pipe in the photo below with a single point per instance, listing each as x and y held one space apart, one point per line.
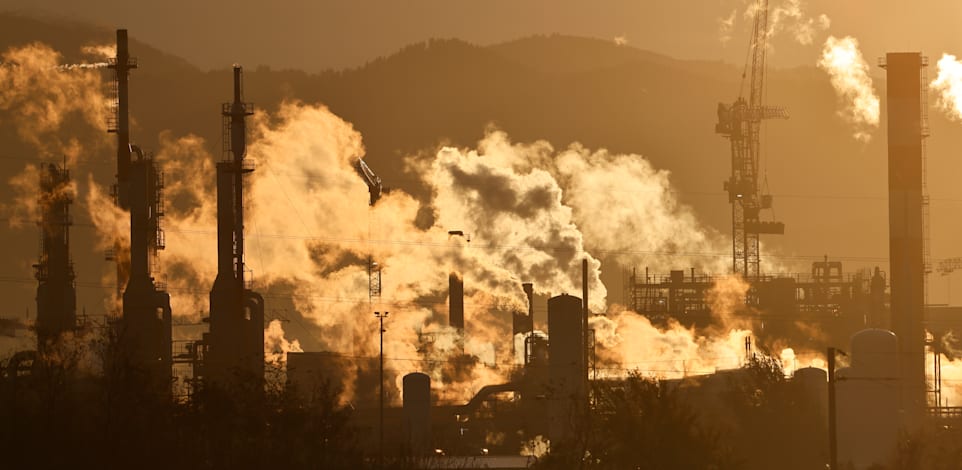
584 318
456 301
139 220
584 347
225 220
380 452
832 439
529 293
122 68
238 146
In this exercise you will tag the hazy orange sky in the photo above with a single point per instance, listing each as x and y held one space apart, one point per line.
314 35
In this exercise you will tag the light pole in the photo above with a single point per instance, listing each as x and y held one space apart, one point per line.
380 450
832 431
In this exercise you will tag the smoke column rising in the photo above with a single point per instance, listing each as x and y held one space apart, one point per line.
948 85
848 71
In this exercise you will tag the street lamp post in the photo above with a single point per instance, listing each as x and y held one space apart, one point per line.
381 316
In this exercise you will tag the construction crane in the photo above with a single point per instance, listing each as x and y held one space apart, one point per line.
740 122
374 187
372 180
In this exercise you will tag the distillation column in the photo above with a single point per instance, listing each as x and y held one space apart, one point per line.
145 331
56 293
235 344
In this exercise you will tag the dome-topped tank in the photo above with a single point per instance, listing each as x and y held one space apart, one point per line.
875 353
812 376
868 401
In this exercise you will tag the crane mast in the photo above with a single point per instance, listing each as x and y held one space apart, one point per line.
375 189
740 122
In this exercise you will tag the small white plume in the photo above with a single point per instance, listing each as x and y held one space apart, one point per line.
789 16
948 85
725 27
848 71
276 344
792 17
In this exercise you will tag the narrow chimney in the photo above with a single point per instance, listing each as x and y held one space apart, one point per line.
456 301
122 65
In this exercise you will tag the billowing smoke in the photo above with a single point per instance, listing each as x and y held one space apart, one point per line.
37 98
948 86
629 342
41 95
24 209
527 214
625 208
276 345
848 71
792 17
789 16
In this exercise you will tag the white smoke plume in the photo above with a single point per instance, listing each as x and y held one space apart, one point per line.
790 16
276 344
848 71
628 342
25 208
948 86
100 51
531 214
37 98
37 95
624 207
726 26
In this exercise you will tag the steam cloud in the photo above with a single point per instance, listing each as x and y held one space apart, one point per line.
725 27
948 85
790 16
532 214
848 70
42 94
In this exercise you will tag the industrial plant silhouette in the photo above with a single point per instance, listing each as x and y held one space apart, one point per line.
136 391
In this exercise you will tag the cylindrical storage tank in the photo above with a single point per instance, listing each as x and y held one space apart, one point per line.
867 395
416 398
875 353
566 369
814 384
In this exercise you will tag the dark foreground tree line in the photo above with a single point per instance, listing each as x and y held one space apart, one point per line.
752 419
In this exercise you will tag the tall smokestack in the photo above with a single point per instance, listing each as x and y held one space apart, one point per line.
456 302
119 121
56 294
235 343
905 154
